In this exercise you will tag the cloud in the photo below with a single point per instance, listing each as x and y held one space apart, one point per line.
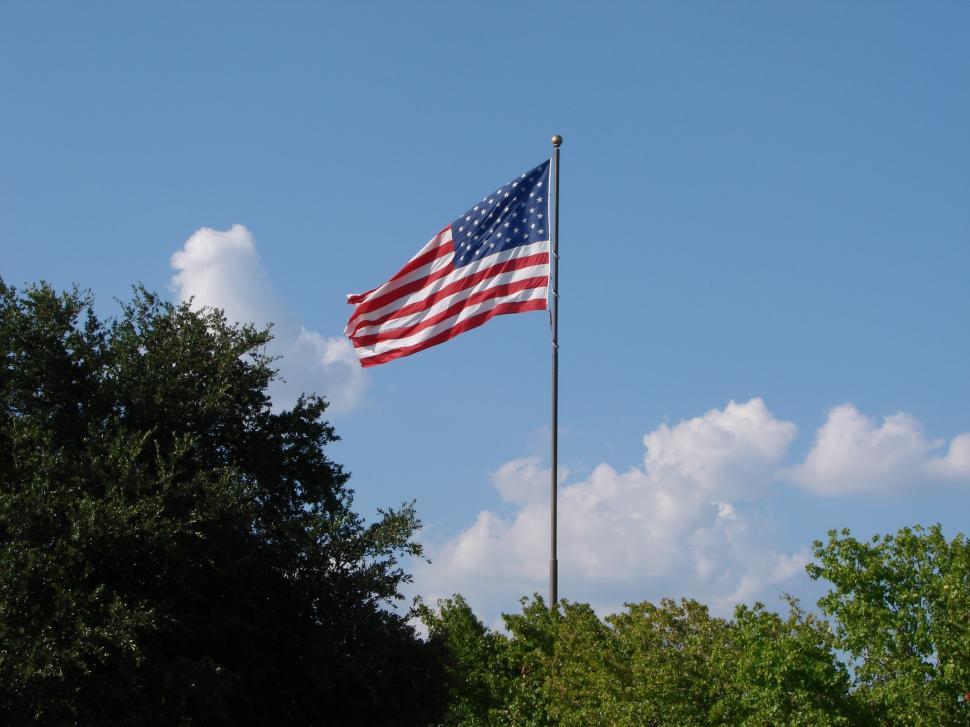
676 526
690 521
955 465
852 454
727 452
222 269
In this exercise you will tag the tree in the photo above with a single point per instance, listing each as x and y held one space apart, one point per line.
901 604
674 650
172 550
784 671
478 681
668 664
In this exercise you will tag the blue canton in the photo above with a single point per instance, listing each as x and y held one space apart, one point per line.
516 214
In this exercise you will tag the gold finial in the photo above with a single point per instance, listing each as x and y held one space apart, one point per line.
557 140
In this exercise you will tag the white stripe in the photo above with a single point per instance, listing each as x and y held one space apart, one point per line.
435 242
512 276
462 272
464 314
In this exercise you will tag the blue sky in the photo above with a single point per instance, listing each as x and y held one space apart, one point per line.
762 203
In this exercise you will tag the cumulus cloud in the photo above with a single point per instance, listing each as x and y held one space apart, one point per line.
955 464
728 452
852 454
678 525
222 269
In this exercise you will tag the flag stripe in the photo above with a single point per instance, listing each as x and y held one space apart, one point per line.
435 303
531 305
430 255
387 294
442 286
469 312
453 309
379 303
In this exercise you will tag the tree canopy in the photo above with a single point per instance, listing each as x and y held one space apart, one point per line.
667 664
892 647
173 550
901 604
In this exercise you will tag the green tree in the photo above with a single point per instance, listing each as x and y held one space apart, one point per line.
901 604
478 680
784 671
496 678
172 550
673 650
668 664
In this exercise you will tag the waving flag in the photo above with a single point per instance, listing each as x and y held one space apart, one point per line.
492 260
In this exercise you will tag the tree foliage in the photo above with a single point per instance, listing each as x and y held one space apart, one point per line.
892 647
173 550
902 608
666 664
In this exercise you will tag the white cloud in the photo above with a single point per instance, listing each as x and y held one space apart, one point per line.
955 464
222 269
673 527
686 522
852 454
727 452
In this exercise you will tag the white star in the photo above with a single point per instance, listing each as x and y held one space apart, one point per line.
461 229
541 231
499 235
532 210
533 225
539 184
507 224
540 215
516 229
540 199
531 194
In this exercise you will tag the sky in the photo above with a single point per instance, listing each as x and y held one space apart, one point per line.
764 244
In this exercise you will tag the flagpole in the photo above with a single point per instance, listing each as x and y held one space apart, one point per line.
554 488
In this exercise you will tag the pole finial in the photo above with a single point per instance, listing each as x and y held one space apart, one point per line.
557 140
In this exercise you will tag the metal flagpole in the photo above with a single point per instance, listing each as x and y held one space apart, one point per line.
553 562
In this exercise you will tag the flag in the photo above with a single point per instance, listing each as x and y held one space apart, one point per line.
492 260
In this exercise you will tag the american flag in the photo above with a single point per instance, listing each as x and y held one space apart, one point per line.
493 259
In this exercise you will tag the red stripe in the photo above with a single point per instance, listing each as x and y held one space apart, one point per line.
406 289
466 325
423 259
494 292
354 299
419 261
450 289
